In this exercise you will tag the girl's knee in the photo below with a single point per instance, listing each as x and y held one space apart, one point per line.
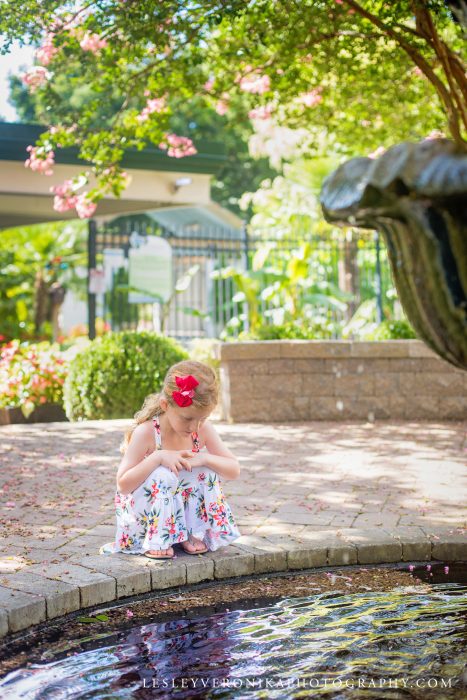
203 473
164 475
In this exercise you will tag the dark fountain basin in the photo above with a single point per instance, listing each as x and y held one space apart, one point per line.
409 642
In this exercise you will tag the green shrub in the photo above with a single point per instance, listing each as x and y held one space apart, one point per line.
392 330
111 377
204 350
287 331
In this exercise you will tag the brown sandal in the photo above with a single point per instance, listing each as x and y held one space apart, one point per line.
158 556
199 551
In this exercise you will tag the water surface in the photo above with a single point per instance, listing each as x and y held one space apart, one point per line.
396 644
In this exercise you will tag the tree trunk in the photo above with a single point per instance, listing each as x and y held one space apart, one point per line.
41 301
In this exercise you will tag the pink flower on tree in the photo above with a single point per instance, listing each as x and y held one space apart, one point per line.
85 208
178 146
64 199
35 77
255 83
47 51
222 107
155 105
62 204
93 43
311 98
208 85
39 160
262 112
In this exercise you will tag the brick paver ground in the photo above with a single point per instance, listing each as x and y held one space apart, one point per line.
298 480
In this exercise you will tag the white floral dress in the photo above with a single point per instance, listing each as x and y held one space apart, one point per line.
166 509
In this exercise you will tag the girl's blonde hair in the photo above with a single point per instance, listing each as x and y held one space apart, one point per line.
206 393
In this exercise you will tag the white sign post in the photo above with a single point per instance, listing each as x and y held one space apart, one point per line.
97 281
150 273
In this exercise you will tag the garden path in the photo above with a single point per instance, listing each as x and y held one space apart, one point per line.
310 494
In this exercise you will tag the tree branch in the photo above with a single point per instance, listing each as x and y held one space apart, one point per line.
452 110
424 20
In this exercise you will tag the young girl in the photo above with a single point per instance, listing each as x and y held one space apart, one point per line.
168 486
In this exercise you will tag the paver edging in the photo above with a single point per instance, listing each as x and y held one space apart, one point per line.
120 579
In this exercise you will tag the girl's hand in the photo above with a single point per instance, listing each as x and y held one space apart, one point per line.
175 460
196 460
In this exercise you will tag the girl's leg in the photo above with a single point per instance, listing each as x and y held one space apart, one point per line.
208 518
164 521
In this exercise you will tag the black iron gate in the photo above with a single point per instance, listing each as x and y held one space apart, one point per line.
206 305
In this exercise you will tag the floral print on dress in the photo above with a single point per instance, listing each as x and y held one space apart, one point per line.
166 509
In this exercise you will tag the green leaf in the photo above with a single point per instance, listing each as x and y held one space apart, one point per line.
194 312
324 300
184 282
88 620
261 255
27 408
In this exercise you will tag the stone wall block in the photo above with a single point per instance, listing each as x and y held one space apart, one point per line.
340 380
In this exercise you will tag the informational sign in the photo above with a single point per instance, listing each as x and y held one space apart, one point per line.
97 281
150 271
114 259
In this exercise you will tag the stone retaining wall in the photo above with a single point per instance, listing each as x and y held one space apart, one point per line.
299 380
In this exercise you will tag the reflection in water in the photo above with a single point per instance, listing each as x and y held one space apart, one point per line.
329 642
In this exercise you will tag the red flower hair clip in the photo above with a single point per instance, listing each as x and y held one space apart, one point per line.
187 385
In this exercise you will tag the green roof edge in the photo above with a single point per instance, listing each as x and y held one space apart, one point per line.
15 137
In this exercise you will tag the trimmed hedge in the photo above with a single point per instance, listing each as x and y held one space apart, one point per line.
392 330
112 376
288 331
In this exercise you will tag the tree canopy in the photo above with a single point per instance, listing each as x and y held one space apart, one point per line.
352 75
239 171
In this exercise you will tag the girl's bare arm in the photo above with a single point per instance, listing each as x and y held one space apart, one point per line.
219 458
137 465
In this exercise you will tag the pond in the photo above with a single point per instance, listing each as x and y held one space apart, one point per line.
403 643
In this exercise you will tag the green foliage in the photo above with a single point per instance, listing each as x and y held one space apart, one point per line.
112 376
194 118
359 58
288 206
288 285
31 375
205 350
292 330
25 253
392 330
117 306
240 171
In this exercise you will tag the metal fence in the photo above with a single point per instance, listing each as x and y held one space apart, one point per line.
358 266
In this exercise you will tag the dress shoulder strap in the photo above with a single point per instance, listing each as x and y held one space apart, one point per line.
195 439
157 430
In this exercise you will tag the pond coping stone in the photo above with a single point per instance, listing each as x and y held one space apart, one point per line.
23 609
88 580
60 597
